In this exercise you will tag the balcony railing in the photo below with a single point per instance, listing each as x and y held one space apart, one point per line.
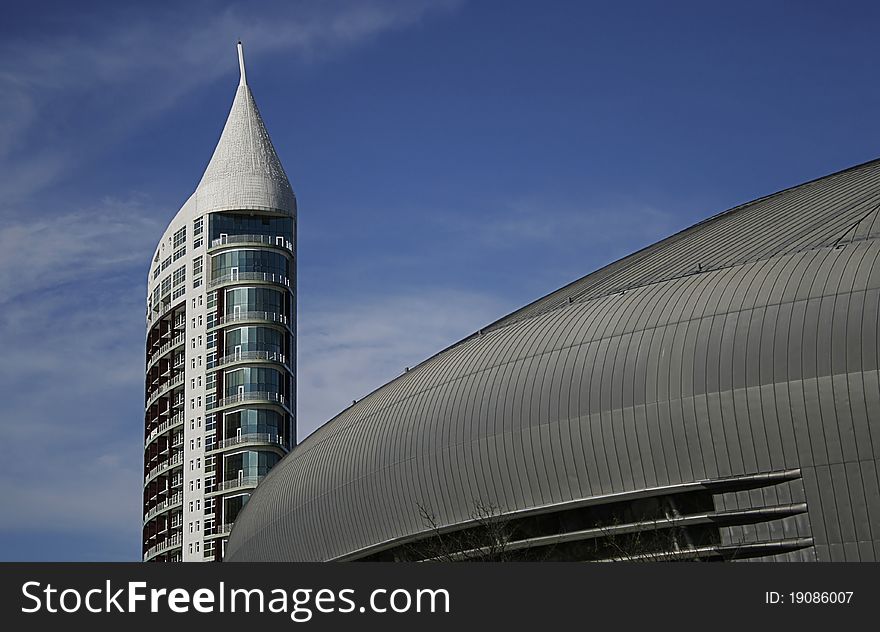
233 277
235 317
268 356
177 340
164 387
235 483
174 541
175 460
176 499
253 437
253 396
252 239
223 529
163 427
168 306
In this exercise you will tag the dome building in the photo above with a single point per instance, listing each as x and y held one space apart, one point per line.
712 396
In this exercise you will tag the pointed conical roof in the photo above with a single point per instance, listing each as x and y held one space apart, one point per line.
245 172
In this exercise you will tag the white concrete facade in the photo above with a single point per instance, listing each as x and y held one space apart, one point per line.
242 210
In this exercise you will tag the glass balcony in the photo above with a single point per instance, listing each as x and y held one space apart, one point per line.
237 317
248 439
235 277
254 396
222 530
246 482
279 241
243 356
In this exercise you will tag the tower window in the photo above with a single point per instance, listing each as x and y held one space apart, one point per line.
180 237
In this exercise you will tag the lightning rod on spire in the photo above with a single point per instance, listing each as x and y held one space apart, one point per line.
243 80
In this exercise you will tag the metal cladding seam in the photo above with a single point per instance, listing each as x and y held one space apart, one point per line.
747 343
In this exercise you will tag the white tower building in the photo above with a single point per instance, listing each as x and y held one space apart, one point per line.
220 388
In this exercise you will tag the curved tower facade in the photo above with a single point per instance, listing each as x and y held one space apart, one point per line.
220 383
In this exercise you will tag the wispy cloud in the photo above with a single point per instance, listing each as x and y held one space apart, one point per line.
542 222
72 375
72 278
349 348
63 98
47 251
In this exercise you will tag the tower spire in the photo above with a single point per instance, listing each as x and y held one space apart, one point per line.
244 171
243 80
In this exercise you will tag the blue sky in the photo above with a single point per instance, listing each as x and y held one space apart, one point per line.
452 160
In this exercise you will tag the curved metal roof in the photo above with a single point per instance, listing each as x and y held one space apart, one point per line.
747 343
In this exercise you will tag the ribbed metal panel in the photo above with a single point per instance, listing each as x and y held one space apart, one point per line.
745 344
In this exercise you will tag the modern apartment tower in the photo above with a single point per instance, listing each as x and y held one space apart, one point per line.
220 388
